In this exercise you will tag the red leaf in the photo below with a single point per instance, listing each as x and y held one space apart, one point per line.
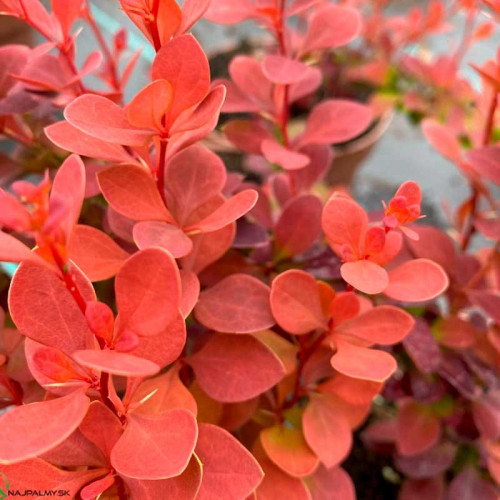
162 393
299 226
335 121
95 489
284 349
332 27
165 347
192 10
190 285
443 140
237 304
326 431
342 307
279 484
13 58
455 332
486 162
226 12
431 463
362 362
68 137
209 247
287 448
274 152
284 70
160 234
232 209
95 253
100 319
203 116
116 363
247 74
147 108
488 301
295 302
168 20
44 309
381 325
469 485
184 64
193 177
344 223
75 451
232 369
132 192
208 109
101 427
331 484
181 487
354 391
69 185
246 135
66 14
148 292
422 489
156 446
229 469
99 117
53 364
434 244
417 431
39 474
57 417
416 281
365 276
15 215
12 250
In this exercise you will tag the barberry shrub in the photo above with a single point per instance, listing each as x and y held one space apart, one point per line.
177 331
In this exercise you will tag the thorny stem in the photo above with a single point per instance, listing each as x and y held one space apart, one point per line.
474 200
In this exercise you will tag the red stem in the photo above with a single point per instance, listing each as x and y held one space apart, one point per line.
153 26
160 170
303 356
474 200
68 278
71 285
